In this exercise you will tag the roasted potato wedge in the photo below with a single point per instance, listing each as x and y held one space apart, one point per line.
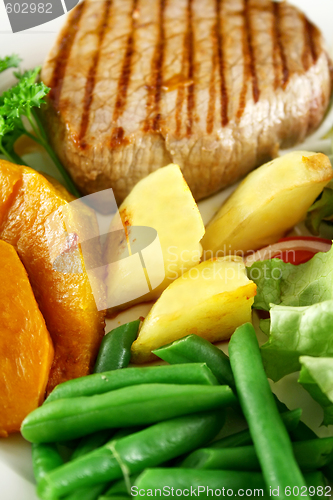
162 201
269 202
210 300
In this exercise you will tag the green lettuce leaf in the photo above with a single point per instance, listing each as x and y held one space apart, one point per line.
289 285
316 377
294 332
265 325
321 209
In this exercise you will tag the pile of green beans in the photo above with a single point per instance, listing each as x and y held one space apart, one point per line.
148 428
147 448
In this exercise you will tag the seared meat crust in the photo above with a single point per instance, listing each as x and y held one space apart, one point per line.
216 86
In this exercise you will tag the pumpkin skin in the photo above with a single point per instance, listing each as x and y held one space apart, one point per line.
66 300
26 350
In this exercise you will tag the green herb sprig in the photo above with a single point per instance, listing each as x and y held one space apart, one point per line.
9 62
22 100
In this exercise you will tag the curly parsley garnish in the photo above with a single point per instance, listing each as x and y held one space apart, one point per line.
18 107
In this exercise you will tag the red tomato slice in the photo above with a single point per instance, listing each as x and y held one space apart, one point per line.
306 238
297 257
295 250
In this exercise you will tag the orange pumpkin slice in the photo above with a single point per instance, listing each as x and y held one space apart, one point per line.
26 350
66 300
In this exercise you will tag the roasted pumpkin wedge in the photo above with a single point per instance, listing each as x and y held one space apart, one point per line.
25 344
28 201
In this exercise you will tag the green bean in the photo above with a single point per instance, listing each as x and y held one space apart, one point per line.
313 453
120 487
310 455
127 407
70 444
269 435
89 493
196 349
173 482
114 497
126 431
45 457
91 385
243 438
149 447
328 470
91 442
317 486
115 349
302 432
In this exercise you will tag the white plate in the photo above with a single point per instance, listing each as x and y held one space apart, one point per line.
16 477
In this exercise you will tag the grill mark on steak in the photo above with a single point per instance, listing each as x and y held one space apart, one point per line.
224 90
309 58
118 138
190 89
117 135
310 54
65 47
155 89
181 91
252 62
212 90
159 68
279 50
249 62
91 78
218 36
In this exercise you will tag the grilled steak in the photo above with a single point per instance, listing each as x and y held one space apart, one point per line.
216 86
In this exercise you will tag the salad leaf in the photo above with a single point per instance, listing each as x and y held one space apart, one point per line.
9 62
290 285
297 331
265 325
322 209
316 377
268 275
